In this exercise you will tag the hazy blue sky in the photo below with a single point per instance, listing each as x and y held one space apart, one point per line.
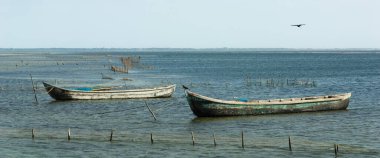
189 23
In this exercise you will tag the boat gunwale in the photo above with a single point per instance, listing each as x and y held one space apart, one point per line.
114 91
336 97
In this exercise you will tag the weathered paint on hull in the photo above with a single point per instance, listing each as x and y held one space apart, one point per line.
206 108
64 94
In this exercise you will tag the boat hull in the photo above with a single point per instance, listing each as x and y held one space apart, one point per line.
208 107
66 94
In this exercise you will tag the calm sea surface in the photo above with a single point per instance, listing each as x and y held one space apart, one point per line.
256 75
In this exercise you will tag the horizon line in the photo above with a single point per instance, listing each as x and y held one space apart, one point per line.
219 48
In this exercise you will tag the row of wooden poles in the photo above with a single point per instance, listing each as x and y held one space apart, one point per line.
268 83
336 146
278 82
127 62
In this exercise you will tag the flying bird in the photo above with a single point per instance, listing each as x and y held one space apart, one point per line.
298 25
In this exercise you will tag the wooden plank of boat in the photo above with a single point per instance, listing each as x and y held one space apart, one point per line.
204 106
59 93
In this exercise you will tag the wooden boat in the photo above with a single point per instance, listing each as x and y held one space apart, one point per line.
59 93
119 69
203 106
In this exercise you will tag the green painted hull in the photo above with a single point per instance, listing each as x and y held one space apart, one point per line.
208 107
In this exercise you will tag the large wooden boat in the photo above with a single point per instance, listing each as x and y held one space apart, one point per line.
203 106
59 93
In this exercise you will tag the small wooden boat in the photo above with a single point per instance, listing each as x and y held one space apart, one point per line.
59 93
119 69
203 106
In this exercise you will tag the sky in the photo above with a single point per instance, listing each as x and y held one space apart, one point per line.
189 23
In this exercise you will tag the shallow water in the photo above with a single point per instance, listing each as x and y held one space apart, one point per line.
216 74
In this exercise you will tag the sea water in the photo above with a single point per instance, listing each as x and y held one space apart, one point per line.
219 74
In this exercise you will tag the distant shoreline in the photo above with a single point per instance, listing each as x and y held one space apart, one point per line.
256 50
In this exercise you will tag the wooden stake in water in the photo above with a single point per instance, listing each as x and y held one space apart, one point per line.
34 90
213 135
68 134
242 139
32 133
154 116
192 138
336 149
111 135
290 144
151 138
